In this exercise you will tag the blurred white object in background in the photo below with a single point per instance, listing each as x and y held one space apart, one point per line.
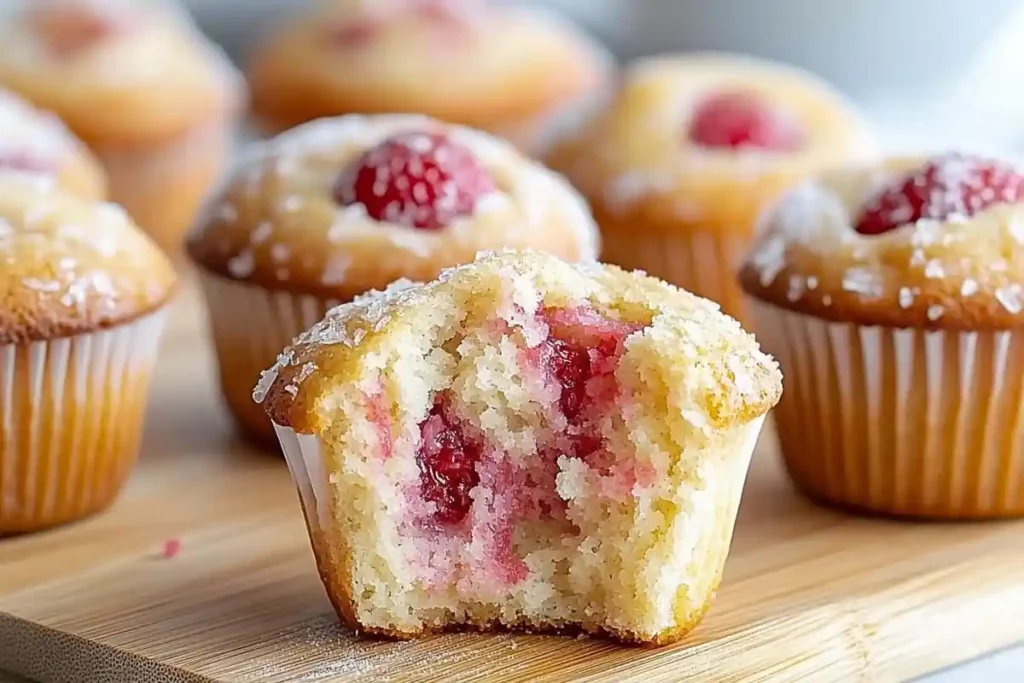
864 46
980 108
931 72
867 47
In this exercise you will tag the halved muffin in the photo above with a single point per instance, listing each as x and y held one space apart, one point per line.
522 443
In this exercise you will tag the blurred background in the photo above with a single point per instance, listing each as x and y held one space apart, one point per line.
932 73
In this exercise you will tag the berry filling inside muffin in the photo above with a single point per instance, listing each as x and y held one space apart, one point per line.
947 187
739 119
481 489
419 179
70 27
575 362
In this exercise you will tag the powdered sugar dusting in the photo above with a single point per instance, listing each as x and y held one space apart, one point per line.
346 324
862 281
906 297
31 140
520 198
680 319
88 266
970 251
1011 298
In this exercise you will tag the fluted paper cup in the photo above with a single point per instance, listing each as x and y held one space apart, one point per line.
900 421
71 414
251 325
700 261
709 537
162 185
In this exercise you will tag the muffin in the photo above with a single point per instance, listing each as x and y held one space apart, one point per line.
522 443
893 296
340 206
81 297
138 84
691 151
515 72
34 141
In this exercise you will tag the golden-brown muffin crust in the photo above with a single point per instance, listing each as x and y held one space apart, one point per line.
955 274
148 75
68 265
635 159
483 66
276 223
718 363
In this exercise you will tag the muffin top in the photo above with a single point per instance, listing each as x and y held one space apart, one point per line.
343 205
68 265
114 70
682 344
687 132
34 141
464 61
933 243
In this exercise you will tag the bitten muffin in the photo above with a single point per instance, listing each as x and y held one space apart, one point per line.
516 72
692 150
893 297
341 206
81 297
138 84
34 141
522 443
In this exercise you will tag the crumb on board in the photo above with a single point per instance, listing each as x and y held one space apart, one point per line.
172 546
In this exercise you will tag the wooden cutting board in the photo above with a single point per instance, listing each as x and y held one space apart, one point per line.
809 594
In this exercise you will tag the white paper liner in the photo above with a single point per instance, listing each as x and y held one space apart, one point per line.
71 413
900 421
251 325
303 453
702 262
163 185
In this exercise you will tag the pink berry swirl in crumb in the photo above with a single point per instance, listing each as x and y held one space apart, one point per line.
343 205
934 243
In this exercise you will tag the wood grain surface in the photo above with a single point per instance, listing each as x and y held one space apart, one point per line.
809 594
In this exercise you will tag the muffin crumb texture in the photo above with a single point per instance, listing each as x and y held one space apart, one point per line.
522 443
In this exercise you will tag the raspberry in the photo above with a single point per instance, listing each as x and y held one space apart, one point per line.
69 27
447 458
449 15
354 32
417 179
581 356
741 119
946 186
